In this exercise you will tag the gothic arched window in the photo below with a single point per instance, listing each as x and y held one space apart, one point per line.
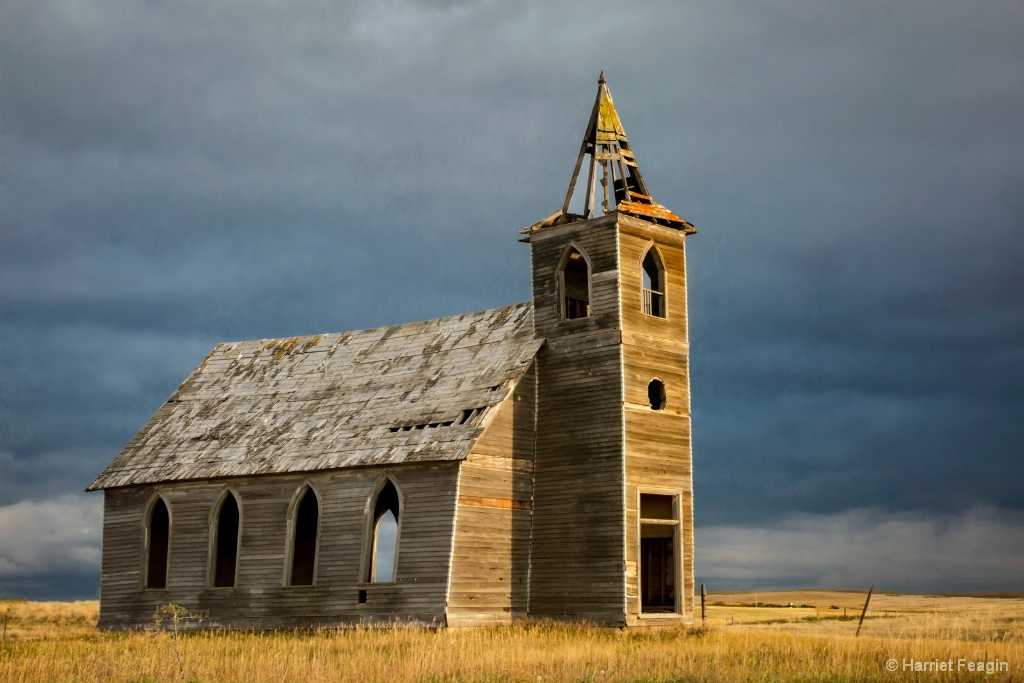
305 532
574 284
654 284
158 544
226 528
383 544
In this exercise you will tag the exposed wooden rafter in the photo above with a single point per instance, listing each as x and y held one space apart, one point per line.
611 164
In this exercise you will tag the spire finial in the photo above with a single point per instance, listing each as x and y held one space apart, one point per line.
601 77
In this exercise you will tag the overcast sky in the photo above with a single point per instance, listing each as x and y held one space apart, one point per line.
176 174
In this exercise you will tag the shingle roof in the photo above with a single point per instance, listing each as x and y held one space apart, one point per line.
374 397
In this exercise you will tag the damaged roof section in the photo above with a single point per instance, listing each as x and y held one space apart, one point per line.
417 392
622 187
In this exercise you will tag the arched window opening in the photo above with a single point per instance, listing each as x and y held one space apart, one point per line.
226 548
654 284
384 542
158 533
575 280
656 394
304 538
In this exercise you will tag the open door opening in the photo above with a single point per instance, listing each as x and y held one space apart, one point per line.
657 575
659 557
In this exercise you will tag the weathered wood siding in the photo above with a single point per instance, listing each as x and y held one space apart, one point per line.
260 599
577 559
491 555
658 452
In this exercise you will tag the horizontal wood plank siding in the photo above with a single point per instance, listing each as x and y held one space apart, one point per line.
577 557
635 238
260 600
658 448
597 239
490 560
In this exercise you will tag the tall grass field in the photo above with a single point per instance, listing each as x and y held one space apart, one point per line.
794 636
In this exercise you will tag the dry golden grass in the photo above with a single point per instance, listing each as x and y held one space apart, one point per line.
890 615
30 620
784 650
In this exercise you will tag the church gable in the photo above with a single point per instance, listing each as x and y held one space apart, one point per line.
412 393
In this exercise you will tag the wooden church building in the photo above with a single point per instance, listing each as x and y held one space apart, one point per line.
526 462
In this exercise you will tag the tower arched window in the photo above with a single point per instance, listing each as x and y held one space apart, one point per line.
305 533
158 544
383 544
654 284
574 284
226 529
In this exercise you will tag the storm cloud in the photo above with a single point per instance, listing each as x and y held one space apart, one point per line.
180 174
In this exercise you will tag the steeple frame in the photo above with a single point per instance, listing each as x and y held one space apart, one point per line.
622 187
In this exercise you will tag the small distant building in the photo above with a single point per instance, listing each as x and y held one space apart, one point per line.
528 461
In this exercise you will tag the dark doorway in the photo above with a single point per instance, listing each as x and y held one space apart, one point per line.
657 572
659 529
227 544
307 523
159 543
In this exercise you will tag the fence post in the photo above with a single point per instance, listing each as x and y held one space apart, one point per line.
864 611
703 596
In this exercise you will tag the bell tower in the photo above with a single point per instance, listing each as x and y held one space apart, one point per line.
612 527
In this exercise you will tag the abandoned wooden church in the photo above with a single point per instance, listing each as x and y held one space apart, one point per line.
529 461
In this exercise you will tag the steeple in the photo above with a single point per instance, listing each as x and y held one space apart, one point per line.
611 164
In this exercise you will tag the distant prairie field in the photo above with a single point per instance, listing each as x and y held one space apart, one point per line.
744 637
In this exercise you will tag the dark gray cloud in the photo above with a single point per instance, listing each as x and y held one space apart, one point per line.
178 174
51 550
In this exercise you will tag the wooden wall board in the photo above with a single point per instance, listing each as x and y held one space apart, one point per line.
260 600
577 540
491 553
658 452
